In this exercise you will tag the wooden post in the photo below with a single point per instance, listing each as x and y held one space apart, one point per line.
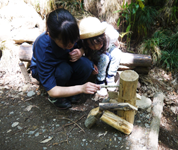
24 72
127 93
117 122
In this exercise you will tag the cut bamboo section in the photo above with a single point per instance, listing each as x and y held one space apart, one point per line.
117 122
127 93
92 117
96 112
90 121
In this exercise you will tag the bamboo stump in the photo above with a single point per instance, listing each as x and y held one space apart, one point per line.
127 93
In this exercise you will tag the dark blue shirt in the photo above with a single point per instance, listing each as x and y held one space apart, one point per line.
46 55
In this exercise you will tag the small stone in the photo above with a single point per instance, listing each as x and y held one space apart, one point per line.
11 113
19 127
147 125
31 132
37 134
31 93
15 124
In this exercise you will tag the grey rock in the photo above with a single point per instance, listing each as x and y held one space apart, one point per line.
144 103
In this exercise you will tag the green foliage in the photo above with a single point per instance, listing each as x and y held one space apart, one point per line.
136 19
167 41
139 20
145 19
127 17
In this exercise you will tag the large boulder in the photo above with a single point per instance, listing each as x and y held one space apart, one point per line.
16 16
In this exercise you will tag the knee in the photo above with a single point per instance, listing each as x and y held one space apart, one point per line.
63 74
104 59
85 65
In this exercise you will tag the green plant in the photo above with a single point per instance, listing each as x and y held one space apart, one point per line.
163 46
128 17
145 18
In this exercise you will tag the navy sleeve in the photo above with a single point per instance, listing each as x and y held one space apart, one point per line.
45 66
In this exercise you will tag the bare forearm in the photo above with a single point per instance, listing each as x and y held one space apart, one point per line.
87 88
59 91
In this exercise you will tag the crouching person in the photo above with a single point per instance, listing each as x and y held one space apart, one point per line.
58 65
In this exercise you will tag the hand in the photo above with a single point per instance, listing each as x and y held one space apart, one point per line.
75 55
95 71
90 88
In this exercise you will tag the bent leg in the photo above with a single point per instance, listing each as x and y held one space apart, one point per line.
82 69
116 55
102 66
63 73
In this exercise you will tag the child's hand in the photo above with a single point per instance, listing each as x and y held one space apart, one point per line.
90 88
75 55
95 71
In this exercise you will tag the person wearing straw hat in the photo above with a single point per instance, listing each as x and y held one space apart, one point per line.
99 40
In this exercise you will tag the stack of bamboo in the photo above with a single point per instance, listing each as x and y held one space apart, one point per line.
124 103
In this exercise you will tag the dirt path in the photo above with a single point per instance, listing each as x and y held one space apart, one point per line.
29 121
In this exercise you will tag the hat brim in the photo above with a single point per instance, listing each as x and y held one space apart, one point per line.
93 33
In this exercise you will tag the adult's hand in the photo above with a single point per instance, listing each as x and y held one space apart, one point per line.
75 55
90 88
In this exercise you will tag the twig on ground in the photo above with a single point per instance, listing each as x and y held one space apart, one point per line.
73 122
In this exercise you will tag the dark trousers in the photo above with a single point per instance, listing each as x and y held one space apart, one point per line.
71 73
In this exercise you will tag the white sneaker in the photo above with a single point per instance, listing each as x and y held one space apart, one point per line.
110 81
102 91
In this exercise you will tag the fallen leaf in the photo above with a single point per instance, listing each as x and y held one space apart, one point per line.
28 108
46 140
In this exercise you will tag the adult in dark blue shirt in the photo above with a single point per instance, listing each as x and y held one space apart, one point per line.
57 61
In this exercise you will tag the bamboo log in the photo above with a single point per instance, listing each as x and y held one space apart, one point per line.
117 122
116 106
127 93
96 112
25 52
128 59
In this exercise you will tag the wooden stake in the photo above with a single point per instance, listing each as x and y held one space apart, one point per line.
116 106
24 72
109 86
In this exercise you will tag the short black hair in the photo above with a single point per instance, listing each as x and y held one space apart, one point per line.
62 25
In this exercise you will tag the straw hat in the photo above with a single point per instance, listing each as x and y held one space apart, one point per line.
91 27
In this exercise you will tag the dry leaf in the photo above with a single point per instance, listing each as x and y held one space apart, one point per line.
28 108
46 140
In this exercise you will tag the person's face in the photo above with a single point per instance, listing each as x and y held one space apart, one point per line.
60 44
96 46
